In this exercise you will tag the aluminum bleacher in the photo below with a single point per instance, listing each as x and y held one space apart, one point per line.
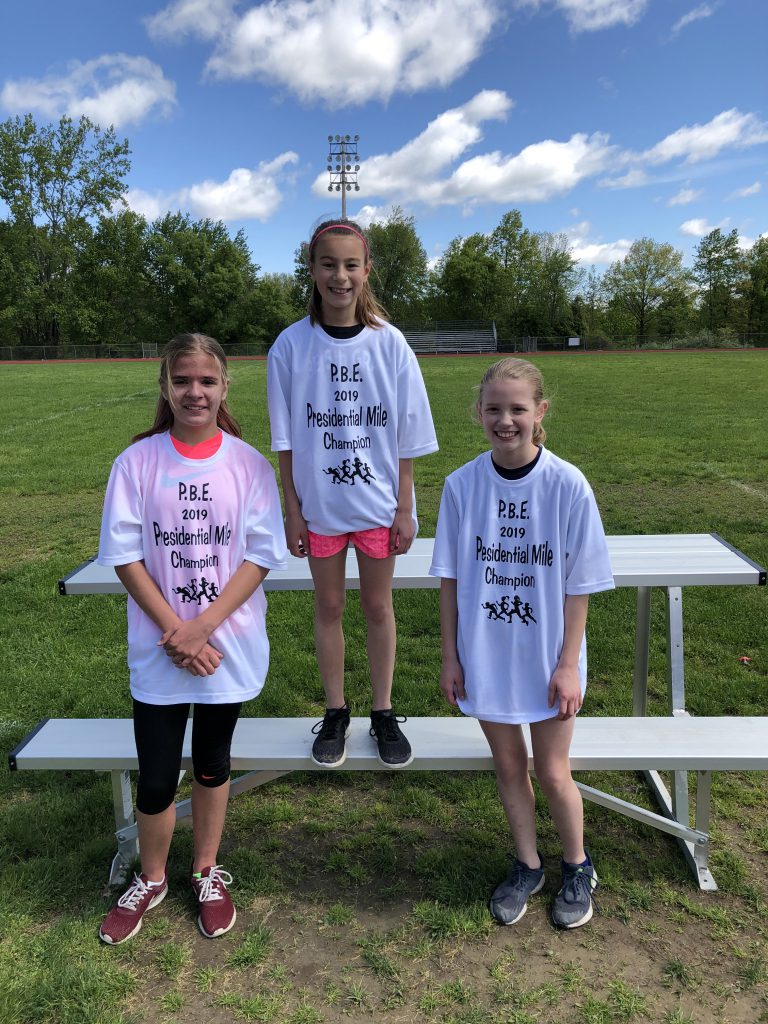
451 336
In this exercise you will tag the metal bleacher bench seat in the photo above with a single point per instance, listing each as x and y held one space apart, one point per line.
676 742
268 748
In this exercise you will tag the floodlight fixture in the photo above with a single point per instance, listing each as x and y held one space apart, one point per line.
343 165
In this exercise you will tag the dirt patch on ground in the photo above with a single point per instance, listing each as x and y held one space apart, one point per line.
338 925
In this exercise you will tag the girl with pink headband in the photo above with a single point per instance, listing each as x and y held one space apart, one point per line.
349 413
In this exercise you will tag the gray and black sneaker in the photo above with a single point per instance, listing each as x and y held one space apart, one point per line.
573 904
509 900
329 749
393 748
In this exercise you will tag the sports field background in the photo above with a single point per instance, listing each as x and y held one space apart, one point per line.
384 879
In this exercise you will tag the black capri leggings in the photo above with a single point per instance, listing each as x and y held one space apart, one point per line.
159 732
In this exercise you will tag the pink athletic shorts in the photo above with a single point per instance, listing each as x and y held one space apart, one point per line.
374 543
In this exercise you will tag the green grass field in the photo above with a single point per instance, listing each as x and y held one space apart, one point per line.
362 897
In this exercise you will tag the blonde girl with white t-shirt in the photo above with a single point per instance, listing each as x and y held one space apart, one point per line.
519 548
192 524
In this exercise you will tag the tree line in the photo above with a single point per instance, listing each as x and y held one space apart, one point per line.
77 267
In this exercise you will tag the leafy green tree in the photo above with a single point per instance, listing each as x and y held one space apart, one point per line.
466 281
588 304
276 306
553 279
112 284
516 253
399 274
302 281
757 291
639 284
200 279
56 180
717 269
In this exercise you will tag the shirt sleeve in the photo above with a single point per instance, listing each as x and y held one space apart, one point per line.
279 395
444 556
587 562
265 534
415 429
121 539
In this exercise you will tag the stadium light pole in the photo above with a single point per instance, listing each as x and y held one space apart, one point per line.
343 165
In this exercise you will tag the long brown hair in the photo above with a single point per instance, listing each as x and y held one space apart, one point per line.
517 369
368 310
185 345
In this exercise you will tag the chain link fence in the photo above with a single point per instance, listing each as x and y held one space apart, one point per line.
436 338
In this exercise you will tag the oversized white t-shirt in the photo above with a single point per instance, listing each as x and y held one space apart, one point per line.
194 522
348 410
516 548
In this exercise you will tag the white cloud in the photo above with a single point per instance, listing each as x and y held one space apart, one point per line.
429 168
748 190
702 11
204 19
245 195
340 52
588 252
368 215
698 142
685 196
112 89
698 227
594 15
149 205
691 144
634 178
601 253
537 173
439 145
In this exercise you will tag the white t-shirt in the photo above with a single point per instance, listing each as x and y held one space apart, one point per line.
194 522
348 410
516 548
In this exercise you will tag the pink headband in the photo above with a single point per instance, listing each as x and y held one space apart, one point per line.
336 227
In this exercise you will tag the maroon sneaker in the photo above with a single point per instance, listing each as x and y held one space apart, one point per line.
124 919
217 912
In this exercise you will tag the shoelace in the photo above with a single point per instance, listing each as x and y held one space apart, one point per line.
517 875
329 725
211 885
389 726
133 895
578 887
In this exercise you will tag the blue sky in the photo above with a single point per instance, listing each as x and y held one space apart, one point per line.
607 120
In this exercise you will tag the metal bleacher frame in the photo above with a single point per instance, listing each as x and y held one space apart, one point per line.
443 337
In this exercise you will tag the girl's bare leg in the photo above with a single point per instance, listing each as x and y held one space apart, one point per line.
551 743
155 834
209 809
328 575
510 759
376 601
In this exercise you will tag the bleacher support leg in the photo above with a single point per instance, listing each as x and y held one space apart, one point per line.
127 845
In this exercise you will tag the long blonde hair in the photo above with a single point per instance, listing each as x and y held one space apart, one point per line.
517 369
368 310
185 345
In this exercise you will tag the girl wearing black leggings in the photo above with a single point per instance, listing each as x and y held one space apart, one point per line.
192 525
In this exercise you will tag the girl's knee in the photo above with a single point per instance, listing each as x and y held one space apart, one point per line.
511 770
377 611
554 777
153 796
213 776
329 608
